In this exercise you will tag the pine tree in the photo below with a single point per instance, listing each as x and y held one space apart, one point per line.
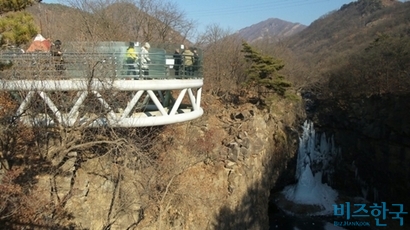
263 72
16 26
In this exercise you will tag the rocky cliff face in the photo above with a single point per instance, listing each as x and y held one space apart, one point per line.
215 172
374 134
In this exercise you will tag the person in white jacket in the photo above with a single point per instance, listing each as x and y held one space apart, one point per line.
145 60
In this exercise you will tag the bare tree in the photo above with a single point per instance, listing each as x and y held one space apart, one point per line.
58 154
162 22
59 151
171 20
137 20
223 60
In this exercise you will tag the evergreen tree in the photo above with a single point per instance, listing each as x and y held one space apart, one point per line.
16 26
263 72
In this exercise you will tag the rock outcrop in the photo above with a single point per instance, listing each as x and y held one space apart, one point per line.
212 173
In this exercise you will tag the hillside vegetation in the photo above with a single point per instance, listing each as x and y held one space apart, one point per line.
355 38
152 177
147 178
363 48
355 75
272 28
153 21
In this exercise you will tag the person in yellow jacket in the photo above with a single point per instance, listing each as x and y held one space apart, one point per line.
131 59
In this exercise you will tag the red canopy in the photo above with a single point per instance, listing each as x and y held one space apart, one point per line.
39 44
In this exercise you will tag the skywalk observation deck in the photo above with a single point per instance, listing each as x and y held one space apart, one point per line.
94 86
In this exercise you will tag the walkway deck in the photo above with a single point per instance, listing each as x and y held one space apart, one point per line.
94 89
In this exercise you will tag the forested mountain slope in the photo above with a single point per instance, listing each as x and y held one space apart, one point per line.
355 64
329 42
272 28
119 21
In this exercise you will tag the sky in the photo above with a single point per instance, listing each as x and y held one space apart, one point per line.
238 14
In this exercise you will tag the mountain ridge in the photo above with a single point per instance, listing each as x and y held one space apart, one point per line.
272 28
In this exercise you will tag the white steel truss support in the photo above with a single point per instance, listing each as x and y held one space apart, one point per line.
51 105
178 101
73 114
132 103
151 103
157 103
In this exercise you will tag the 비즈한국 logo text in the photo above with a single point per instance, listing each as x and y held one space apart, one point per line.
380 212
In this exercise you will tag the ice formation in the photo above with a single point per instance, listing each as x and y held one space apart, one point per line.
315 159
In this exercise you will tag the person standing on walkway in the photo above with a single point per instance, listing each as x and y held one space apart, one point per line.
145 60
57 54
196 62
188 61
131 58
177 61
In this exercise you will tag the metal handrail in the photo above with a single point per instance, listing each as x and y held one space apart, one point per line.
93 64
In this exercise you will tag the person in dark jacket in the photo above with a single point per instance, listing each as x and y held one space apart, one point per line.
177 61
196 62
57 54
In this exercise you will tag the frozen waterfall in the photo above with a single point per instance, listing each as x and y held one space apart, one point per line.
316 155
